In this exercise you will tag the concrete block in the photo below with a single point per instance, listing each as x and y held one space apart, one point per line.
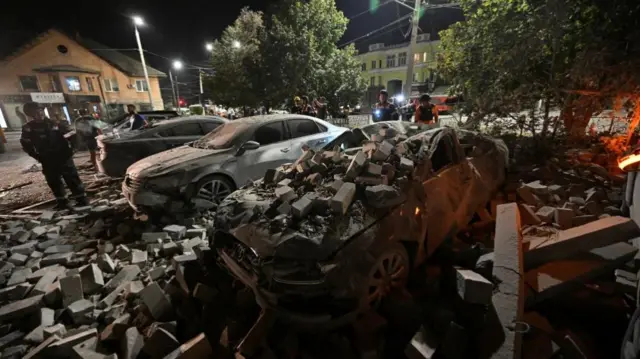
564 217
10 338
284 208
546 214
160 343
538 188
78 309
59 258
527 195
579 201
60 248
132 343
285 194
38 351
357 165
55 329
139 258
156 273
373 169
528 215
302 207
20 309
342 200
176 232
473 288
18 259
48 278
156 301
382 152
155 237
64 347
170 249
39 231
126 274
116 329
105 263
383 196
92 279
19 291
406 164
26 248
71 288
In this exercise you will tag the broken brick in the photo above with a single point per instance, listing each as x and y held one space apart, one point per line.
92 279
473 288
342 200
546 214
156 301
71 288
285 193
564 217
528 215
132 343
128 273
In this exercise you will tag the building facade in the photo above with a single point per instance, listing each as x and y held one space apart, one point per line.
66 74
385 66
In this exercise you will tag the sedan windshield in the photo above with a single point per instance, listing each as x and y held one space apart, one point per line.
223 136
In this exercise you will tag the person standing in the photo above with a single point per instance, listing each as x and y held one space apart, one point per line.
321 108
426 113
297 106
307 109
385 110
45 141
137 122
88 131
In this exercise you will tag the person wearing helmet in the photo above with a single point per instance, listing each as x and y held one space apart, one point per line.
385 110
297 105
426 113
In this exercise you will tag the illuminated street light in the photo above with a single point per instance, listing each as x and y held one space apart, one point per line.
177 64
236 44
138 21
209 46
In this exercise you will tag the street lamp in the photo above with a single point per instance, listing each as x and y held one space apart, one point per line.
137 21
177 65
209 46
236 44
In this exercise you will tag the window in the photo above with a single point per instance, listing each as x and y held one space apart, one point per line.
372 82
416 58
415 77
54 80
301 128
424 57
29 83
364 66
391 60
89 84
187 129
111 85
268 134
380 80
141 86
373 64
209 126
379 64
402 59
73 83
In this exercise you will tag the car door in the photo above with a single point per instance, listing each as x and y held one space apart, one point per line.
306 132
273 151
182 133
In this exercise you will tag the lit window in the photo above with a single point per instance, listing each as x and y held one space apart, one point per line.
424 57
141 86
416 58
89 84
29 83
111 85
73 83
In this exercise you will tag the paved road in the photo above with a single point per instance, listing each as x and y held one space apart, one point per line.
14 154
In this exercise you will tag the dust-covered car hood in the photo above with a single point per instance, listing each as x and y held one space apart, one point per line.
184 158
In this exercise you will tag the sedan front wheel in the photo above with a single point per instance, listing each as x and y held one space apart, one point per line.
214 189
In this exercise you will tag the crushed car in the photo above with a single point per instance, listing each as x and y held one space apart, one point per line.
202 173
330 235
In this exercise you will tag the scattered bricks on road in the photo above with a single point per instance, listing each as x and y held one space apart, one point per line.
115 330
64 347
160 343
196 232
59 258
357 165
156 301
19 276
155 237
10 338
89 344
20 308
126 274
612 210
382 152
600 233
122 252
528 214
43 284
563 217
538 188
383 196
176 232
526 194
38 231
48 243
26 248
105 263
335 186
19 291
133 288
342 200
47 216
92 279
132 343
170 249
284 208
314 179
284 182
156 273
302 207
473 288
406 164
37 352
78 309
577 201
197 347
546 214
71 288
374 169
139 258
55 330
285 194
18 259
204 293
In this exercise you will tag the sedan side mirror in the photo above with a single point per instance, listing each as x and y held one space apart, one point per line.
249 145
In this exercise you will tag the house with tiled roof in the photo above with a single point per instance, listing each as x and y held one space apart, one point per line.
66 74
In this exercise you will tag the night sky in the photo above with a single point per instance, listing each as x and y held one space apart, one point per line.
179 30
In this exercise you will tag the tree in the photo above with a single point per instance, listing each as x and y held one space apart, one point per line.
292 52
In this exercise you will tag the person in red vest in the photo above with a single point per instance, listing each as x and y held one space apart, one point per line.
426 113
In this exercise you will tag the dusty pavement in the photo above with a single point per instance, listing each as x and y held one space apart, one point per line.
14 163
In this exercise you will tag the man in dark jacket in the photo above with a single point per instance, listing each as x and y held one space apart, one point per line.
385 110
137 122
426 112
45 141
88 131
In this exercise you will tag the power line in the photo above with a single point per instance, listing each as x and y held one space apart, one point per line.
377 30
369 10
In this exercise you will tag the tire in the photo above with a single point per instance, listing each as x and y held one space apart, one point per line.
218 186
393 257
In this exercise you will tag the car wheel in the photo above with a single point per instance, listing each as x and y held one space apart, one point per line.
389 272
213 189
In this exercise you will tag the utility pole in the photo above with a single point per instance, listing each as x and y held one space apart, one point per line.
144 65
412 44
201 91
178 92
173 90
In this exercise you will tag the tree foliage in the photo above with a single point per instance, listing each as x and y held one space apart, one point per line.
510 54
290 52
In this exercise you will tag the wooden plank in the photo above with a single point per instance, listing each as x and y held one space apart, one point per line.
564 244
16 186
557 277
508 299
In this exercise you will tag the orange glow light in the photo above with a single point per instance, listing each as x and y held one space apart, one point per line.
626 161
417 211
